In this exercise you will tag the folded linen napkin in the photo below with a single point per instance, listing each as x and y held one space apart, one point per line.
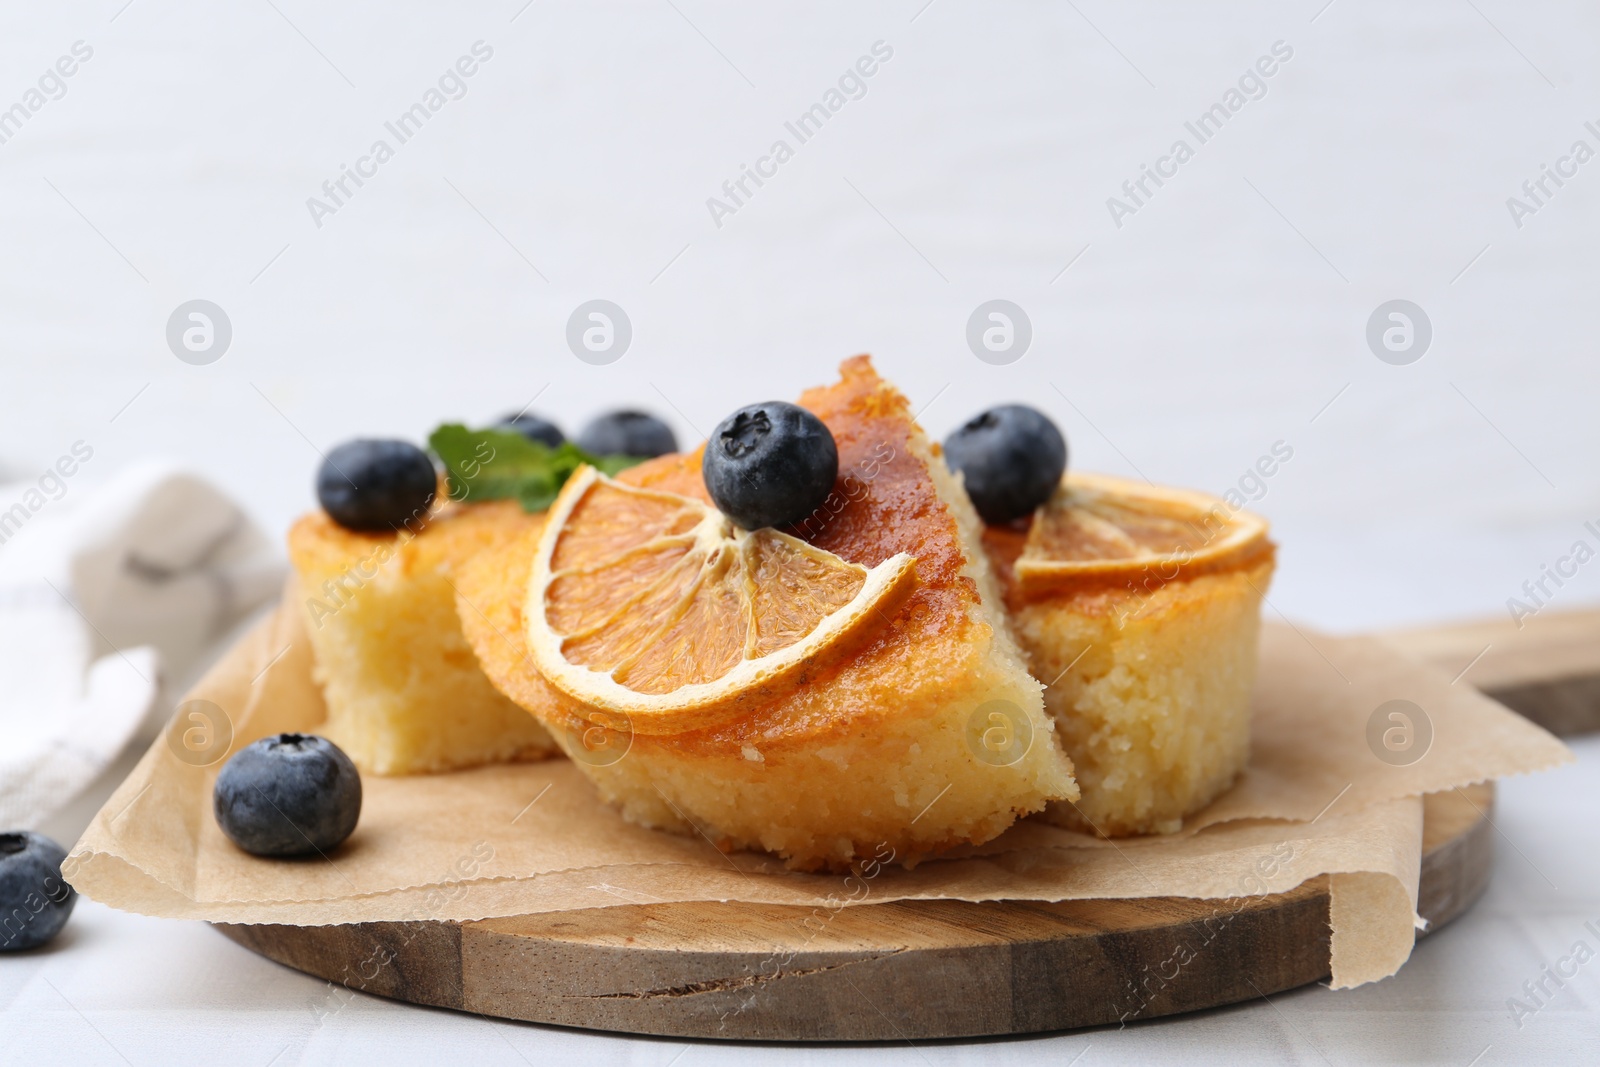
102 592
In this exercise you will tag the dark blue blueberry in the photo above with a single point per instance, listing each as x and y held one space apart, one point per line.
1011 458
627 433
533 428
34 899
377 486
288 795
770 464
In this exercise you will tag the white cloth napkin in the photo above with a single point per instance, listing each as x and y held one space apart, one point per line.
102 591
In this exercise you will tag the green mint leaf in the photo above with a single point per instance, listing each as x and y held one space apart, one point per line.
613 465
504 465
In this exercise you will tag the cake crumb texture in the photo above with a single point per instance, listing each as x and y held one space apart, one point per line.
404 690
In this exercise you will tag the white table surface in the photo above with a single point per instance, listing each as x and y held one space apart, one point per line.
1226 315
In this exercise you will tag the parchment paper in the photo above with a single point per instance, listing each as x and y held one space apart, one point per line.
530 838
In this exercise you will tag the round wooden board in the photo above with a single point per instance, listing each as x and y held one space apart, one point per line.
875 972
1547 668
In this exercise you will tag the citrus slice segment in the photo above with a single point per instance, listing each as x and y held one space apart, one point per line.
1098 529
658 606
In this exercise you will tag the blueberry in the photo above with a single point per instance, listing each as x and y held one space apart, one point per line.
288 795
533 428
34 899
627 433
377 486
770 464
1011 458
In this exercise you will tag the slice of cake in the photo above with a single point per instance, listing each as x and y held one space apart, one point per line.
917 730
1139 607
404 691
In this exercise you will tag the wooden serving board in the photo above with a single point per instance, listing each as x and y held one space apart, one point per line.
912 970
920 970
1547 669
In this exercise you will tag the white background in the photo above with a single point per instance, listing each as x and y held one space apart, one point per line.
1228 314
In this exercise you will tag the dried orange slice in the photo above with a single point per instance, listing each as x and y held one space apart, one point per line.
1098 529
658 606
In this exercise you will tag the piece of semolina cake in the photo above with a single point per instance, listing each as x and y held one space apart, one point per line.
928 734
1149 667
404 691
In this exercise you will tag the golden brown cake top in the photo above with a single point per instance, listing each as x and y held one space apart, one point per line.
881 503
451 536
884 501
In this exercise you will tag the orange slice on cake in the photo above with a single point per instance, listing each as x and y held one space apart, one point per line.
657 606
1098 529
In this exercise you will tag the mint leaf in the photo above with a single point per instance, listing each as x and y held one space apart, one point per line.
504 465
